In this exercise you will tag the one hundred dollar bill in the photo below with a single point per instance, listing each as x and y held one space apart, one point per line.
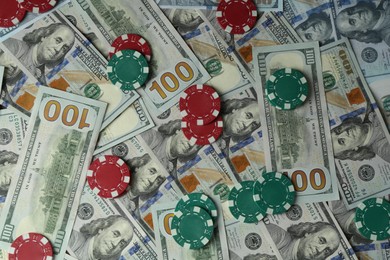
241 143
134 120
249 242
29 19
370 39
307 231
271 29
379 88
173 65
226 71
12 133
263 5
75 14
19 86
363 247
193 167
103 231
62 133
312 20
298 142
168 249
70 64
150 182
359 134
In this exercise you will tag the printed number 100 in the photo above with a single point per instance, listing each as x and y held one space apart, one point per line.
170 82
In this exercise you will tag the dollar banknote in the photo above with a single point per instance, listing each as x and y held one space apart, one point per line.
363 247
369 36
29 19
359 134
62 133
241 143
307 231
271 29
134 120
75 14
248 242
379 88
167 248
13 130
312 20
194 168
262 5
102 230
298 142
71 64
150 183
173 66
19 86
226 71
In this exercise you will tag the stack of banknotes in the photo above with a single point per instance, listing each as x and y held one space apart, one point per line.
51 129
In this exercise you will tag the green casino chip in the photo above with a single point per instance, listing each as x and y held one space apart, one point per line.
192 229
372 219
198 199
287 88
274 193
128 69
241 203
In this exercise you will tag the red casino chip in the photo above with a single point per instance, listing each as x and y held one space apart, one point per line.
200 104
11 13
30 246
131 42
108 176
38 6
236 16
202 134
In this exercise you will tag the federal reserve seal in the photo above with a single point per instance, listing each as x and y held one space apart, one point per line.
369 54
5 136
120 150
85 211
253 241
366 172
294 213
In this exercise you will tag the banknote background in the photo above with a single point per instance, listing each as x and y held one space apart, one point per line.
349 80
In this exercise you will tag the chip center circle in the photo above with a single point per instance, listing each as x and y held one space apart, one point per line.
128 68
30 250
378 219
288 88
274 193
201 103
108 176
236 13
192 220
245 202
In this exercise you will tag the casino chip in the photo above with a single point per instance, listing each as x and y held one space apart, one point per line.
241 203
192 229
38 6
200 103
236 16
274 193
11 13
202 134
372 219
30 246
287 88
128 69
108 176
131 42
198 199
